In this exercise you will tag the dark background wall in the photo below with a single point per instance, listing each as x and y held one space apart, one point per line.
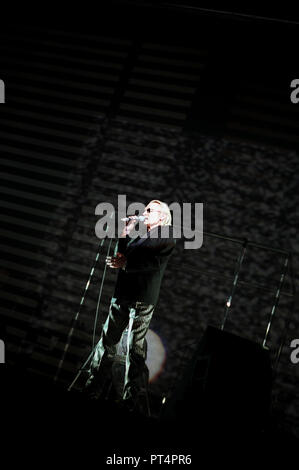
151 103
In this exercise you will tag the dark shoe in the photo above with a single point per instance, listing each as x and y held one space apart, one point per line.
137 403
97 387
90 389
127 405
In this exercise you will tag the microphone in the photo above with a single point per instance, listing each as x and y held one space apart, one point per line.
139 218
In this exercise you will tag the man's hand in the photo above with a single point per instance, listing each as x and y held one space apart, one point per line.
118 261
129 226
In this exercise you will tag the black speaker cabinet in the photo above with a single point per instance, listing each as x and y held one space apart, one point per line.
227 383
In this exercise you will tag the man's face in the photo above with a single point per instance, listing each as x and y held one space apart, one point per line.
153 214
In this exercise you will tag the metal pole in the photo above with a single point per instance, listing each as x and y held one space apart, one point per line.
99 297
80 371
75 319
236 276
283 336
282 277
214 275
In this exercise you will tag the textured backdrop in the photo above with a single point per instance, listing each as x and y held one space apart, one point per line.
248 192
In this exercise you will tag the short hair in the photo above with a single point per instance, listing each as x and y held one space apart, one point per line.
165 210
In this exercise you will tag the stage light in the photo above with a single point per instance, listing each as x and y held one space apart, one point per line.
156 355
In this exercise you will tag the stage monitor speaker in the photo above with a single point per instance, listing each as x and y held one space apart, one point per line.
228 382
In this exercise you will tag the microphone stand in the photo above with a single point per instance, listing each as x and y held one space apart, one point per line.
236 276
75 319
83 367
277 295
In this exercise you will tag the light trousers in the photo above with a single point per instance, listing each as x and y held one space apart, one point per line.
136 317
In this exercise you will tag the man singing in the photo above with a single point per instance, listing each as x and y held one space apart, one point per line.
141 262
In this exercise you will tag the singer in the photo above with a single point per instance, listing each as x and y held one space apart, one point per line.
141 262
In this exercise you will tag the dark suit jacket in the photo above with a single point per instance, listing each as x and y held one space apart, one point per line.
146 262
